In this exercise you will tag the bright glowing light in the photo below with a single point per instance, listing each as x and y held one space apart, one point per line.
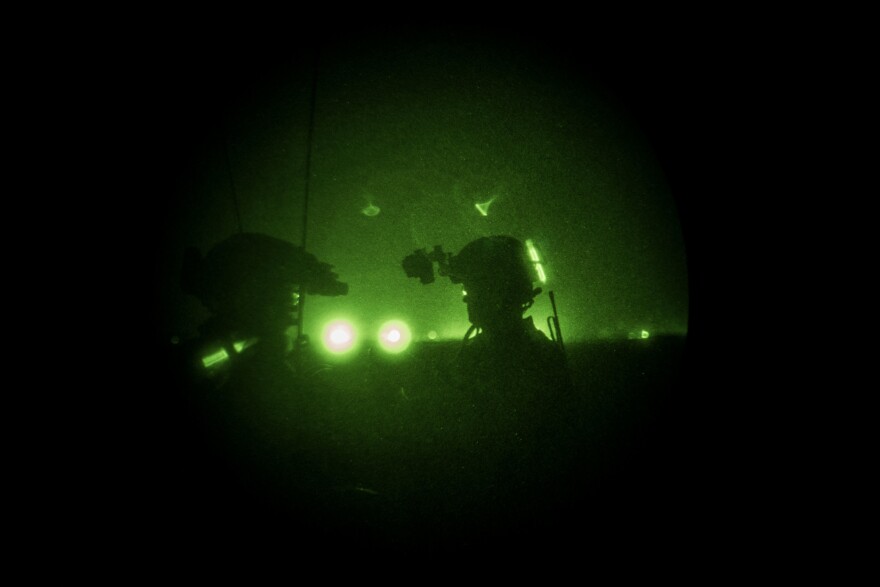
339 336
541 274
533 255
645 334
394 336
483 207
371 210
533 252
215 358
218 357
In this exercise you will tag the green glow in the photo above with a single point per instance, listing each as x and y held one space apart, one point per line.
244 344
339 336
533 253
215 358
394 336
637 334
222 355
609 229
371 210
432 335
541 274
483 207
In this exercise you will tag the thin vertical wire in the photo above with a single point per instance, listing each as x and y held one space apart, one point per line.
311 133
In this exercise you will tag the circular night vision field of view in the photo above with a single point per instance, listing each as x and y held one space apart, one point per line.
368 147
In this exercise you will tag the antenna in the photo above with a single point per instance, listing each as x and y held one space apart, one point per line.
308 172
311 133
230 175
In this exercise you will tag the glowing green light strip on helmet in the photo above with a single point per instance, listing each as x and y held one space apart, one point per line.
541 274
533 252
533 255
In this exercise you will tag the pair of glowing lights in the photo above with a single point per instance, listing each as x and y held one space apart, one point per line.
394 336
340 336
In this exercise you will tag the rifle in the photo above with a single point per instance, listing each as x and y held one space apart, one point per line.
553 325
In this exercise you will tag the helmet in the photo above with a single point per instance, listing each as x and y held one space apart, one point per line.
248 271
497 263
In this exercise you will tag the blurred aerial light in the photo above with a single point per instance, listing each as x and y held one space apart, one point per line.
483 207
371 210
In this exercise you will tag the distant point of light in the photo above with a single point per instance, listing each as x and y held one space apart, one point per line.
371 210
339 336
483 207
432 334
638 334
394 336
541 274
